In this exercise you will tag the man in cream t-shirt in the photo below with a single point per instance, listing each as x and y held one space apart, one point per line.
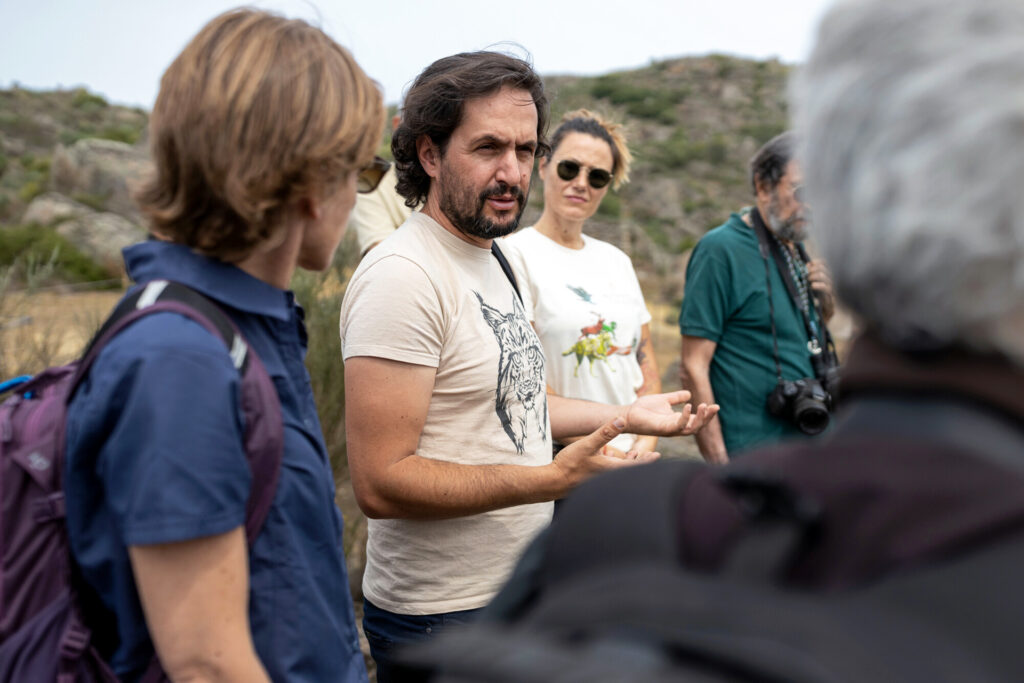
455 312
448 426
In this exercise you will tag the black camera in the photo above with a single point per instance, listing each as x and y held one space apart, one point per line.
806 402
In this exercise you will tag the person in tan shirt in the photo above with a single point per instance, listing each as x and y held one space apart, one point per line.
449 427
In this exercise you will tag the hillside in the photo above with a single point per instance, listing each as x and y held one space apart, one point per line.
32 124
692 124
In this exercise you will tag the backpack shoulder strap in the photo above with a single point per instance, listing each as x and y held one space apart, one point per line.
264 426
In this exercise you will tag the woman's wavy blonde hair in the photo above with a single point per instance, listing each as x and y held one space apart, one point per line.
590 123
256 112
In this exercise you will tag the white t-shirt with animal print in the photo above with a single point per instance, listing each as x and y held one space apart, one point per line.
426 297
588 310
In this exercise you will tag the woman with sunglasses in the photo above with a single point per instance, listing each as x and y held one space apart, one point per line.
263 131
580 293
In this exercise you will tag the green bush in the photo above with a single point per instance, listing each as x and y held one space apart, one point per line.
87 101
37 244
610 207
121 133
679 150
30 190
724 65
96 202
655 229
763 131
25 127
657 107
657 104
37 165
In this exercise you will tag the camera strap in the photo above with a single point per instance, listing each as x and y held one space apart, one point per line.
506 268
819 340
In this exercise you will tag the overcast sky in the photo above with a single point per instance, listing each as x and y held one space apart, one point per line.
120 48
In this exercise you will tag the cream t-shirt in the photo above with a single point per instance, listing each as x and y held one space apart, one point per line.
589 312
426 297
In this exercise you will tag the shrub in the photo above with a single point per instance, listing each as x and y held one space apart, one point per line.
610 207
121 133
87 101
679 150
96 202
763 131
25 244
30 190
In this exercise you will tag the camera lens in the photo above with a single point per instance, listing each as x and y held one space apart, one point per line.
810 415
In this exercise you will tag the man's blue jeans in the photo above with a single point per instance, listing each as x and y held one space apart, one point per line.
387 630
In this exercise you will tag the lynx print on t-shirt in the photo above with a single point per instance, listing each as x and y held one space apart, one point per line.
520 400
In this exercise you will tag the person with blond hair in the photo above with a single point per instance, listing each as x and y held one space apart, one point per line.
581 293
263 130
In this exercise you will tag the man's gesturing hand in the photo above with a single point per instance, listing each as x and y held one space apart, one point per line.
587 456
653 414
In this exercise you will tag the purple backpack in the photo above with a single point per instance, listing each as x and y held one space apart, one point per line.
44 632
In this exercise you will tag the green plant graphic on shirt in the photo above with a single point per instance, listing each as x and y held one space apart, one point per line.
596 342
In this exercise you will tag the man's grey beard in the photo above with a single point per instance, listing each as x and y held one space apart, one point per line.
788 230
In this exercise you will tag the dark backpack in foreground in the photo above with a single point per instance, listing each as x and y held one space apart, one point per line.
607 593
44 627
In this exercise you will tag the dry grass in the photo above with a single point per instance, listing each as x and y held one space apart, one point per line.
41 329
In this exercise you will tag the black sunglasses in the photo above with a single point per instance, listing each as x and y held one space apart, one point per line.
596 177
370 177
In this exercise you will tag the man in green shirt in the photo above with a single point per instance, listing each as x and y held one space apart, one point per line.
728 353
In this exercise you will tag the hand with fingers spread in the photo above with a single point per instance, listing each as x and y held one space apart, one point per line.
591 454
653 414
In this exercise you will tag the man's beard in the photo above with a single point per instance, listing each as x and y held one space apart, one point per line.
466 212
791 229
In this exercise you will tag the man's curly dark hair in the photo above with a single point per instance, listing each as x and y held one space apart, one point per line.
433 107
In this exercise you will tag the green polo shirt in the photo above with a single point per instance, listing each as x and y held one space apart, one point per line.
726 301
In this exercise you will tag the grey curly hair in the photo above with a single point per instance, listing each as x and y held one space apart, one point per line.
911 120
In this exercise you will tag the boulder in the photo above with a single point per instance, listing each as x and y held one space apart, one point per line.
101 236
105 171
51 207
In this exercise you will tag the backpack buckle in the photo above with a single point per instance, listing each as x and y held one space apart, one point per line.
74 641
50 508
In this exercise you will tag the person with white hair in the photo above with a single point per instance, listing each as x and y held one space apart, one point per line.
911 123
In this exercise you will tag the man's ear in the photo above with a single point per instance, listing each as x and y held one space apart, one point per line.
429 155
761 190
542 163
309 207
